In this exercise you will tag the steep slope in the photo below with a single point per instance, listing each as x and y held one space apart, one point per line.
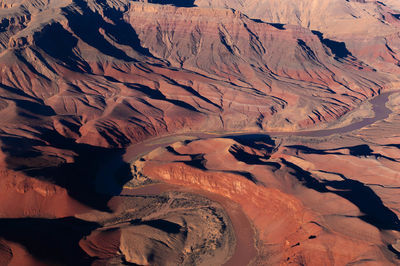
369 29
92 75
81 80
305 211
110 83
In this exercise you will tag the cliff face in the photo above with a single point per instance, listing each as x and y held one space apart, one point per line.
304 210
110 74
81 80
368 28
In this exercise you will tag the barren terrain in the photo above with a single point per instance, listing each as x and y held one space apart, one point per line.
205 132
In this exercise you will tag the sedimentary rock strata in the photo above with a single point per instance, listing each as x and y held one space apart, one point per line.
128 132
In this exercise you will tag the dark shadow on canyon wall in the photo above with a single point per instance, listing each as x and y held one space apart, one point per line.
359 151
178 3
256 141
57 42
89 25
81 177
338 49
54 241
372 207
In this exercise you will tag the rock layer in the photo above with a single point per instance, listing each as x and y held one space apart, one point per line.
81 80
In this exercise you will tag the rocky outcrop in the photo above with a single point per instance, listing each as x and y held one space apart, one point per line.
81 80
103 88
297 202
372 37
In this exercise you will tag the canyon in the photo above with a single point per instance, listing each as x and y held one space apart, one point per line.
205 132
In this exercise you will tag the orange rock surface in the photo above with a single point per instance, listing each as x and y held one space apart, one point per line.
100 98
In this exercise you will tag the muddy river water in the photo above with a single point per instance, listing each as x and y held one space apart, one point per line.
245 249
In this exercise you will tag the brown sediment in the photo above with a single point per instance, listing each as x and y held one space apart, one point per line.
245 250
82 80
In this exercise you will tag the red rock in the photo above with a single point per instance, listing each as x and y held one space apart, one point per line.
82 80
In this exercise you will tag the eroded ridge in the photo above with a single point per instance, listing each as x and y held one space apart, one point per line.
123 132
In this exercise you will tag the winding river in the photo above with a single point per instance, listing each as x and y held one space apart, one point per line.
378 106
243 231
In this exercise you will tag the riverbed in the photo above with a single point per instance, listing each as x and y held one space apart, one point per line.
243 230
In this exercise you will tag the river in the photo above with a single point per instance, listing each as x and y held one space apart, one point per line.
243 231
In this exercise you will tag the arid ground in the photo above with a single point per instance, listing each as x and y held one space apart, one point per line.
199 132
